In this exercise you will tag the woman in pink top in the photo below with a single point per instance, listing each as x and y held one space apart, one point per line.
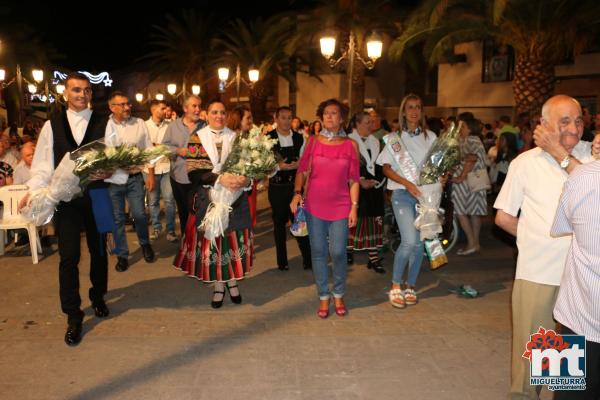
330 163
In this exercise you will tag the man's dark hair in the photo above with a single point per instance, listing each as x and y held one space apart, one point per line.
154 103
282 108
116 93
505 119
332 102
78 76
466 115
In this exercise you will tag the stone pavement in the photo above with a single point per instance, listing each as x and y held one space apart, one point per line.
164 341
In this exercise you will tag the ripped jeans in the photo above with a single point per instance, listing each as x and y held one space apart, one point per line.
410 250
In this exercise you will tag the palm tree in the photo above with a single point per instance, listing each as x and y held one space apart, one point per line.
543 34
181 46
359 18
23 46
260 44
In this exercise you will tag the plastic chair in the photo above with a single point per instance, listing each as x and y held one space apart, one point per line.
11 219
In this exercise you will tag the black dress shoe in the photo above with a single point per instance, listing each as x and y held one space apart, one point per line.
308 266
100 309
148 253
73 335
122 264
350 258
217 303
376 266
283 268
235 299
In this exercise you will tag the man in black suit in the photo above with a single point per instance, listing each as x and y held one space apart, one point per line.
65 132
281 186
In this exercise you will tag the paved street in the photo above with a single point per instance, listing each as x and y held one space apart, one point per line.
164 341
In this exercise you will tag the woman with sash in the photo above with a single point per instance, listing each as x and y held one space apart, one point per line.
230 259
368 233
401 157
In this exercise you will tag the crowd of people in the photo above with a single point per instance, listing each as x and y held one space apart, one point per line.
344 170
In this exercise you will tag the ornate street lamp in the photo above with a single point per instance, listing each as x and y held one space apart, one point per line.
223 73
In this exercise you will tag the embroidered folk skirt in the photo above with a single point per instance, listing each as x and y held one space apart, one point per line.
230 258
367 234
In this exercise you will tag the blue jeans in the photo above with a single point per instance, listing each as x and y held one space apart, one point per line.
133 190
163 186
410 250
335 233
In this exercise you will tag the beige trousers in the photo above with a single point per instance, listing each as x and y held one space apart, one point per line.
532 306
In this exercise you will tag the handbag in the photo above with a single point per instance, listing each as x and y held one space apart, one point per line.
478 180
299 227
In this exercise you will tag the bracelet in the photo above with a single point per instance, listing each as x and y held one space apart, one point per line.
299 192
355 204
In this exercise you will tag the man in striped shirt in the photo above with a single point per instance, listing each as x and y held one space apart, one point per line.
577 306
526 207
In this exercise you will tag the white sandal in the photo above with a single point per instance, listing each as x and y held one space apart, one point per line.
397 298
410 296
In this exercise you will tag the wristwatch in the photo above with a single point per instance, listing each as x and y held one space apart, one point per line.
565 161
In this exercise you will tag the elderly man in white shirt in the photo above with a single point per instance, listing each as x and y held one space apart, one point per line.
122 128
533 186
23 171
157 126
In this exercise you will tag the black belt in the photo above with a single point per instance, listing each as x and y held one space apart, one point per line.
134 175
279 180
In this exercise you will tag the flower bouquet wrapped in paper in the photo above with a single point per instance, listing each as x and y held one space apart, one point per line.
443 156
75 171
250 156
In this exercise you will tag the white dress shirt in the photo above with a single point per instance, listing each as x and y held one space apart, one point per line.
578 302
42 166
157 134
533 185
132 132
285 140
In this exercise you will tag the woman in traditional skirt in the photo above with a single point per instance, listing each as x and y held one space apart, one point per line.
231 258
368 232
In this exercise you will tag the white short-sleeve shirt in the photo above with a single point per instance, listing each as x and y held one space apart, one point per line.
533 185
416 146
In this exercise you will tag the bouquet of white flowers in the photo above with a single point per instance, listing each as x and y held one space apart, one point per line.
97 158
441 158
251 156
75 170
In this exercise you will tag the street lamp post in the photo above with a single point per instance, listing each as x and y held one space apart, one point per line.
223 72
374 49
38 76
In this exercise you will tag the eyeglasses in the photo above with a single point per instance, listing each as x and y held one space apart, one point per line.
122 105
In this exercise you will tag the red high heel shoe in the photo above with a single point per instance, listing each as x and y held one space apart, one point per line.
340 309
323 313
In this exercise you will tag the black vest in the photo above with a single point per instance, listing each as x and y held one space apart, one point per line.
65 142
288 154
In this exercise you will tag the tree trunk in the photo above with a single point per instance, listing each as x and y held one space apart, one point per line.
533 83
258 101
358 89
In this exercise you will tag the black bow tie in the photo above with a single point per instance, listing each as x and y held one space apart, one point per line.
218 133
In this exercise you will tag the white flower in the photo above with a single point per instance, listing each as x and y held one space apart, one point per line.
110 152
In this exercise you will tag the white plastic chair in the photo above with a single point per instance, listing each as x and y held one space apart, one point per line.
11 219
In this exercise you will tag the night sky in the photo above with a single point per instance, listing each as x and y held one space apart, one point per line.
107 35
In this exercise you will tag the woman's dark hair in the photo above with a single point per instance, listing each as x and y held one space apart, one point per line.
435 125
474 126
214 101
234 119
356 119
509 151
386 127
311 127
332 102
